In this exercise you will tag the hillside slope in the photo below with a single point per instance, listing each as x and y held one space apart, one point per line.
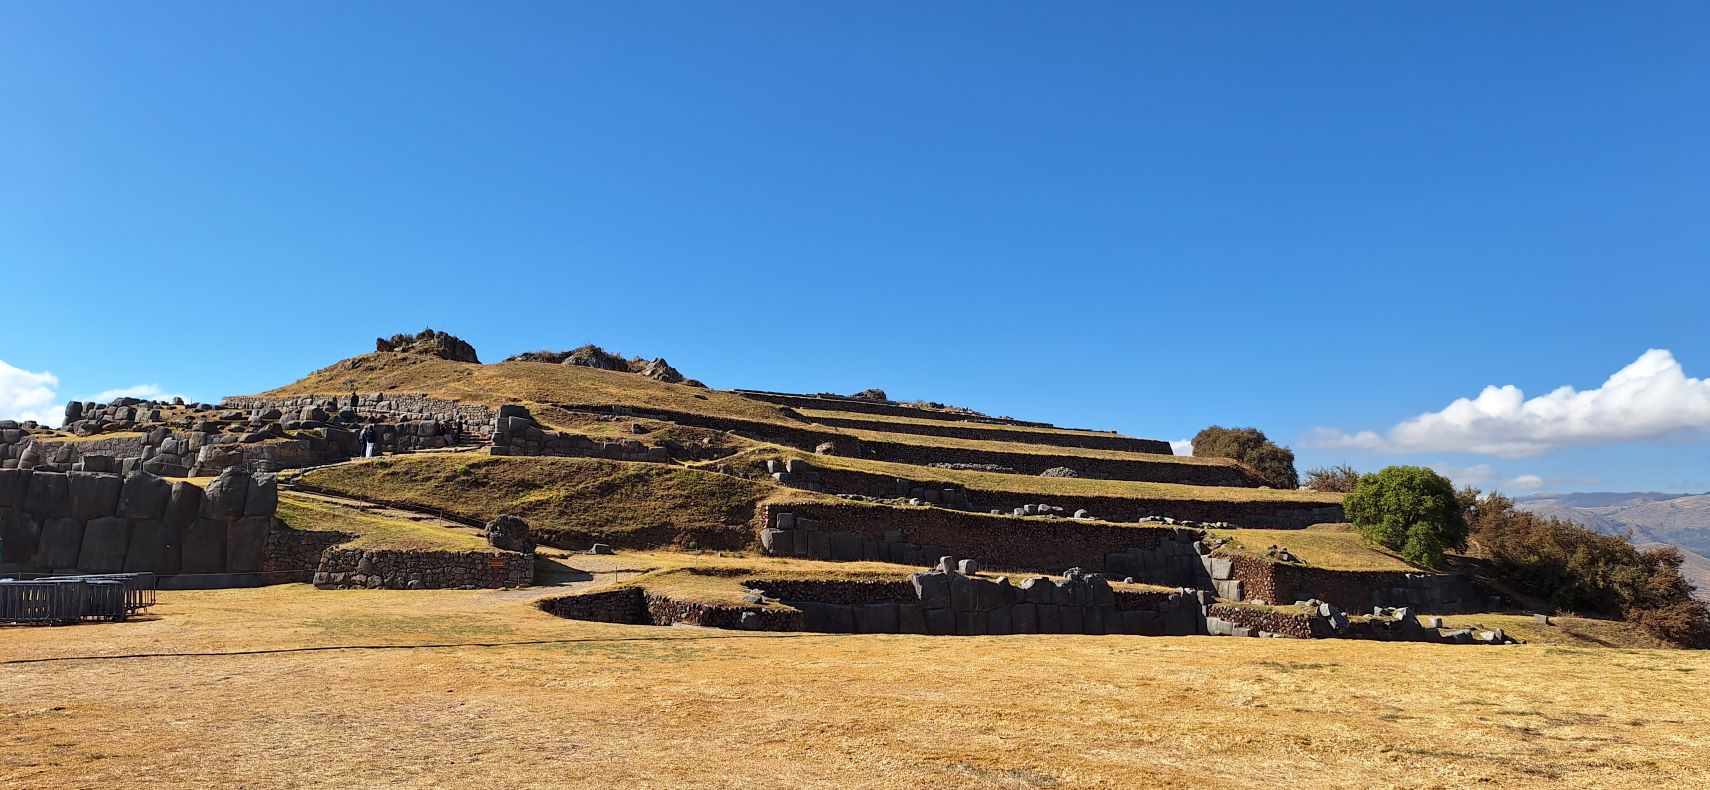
1679 520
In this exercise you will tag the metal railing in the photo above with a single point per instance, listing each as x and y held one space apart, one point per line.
59 600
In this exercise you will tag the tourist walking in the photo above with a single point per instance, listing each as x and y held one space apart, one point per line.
370 438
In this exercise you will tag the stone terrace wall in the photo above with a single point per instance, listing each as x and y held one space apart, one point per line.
974 431
865 406
1252 515
473 420
627 605
413 570
94 522
1033 464
846 531
294 554
954 604
1276 582
517 433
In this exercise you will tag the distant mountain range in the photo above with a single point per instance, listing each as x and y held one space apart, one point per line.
1679 520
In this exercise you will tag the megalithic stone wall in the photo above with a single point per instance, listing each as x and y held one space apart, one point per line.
100 523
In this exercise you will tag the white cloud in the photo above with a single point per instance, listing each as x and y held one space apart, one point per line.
1182 447
143 391
26 395
1652 398
1487 476
1526 483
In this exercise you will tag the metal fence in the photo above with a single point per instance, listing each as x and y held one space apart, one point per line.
59 600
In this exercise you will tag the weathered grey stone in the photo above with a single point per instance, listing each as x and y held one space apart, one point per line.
600 548
93 495
968 567
961 592
1072 619
105 541
49 497
1050 618
1036 590
246 543
262 499
987 594
154 548
506 532
204 549
998 622
877 618
223 499
14 487
20 537
971 623
1024 619
61 543
183 505
911 619
1092 621
941 622
143 496
932 589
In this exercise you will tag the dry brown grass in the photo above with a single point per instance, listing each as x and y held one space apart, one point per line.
1031 484
483 690
522 382
373 528
1323 546
567 501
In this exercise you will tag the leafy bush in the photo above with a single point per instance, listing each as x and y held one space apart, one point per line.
1578 569
1275 465
1333 479
1410 509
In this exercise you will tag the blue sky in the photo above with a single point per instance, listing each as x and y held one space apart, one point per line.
1320 219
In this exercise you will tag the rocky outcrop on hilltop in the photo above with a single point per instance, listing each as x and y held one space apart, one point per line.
592 356
430 342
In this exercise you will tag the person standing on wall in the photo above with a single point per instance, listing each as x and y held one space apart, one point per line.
370 438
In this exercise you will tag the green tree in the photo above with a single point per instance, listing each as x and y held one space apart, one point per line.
1250 446
1410 509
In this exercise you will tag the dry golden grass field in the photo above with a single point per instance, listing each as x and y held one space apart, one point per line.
292 687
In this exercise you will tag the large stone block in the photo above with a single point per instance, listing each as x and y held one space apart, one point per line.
223 499
1036 590
941 622
1073 619
911 619
20 537
246 543
93 495
105 541
49 496
987 594
998 621
1050 617
846 547
204 549
961 592
933 589
877 618
1024 618
262 498
154 548
184 505
971 623
143 496
14 487
819 545
62 541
